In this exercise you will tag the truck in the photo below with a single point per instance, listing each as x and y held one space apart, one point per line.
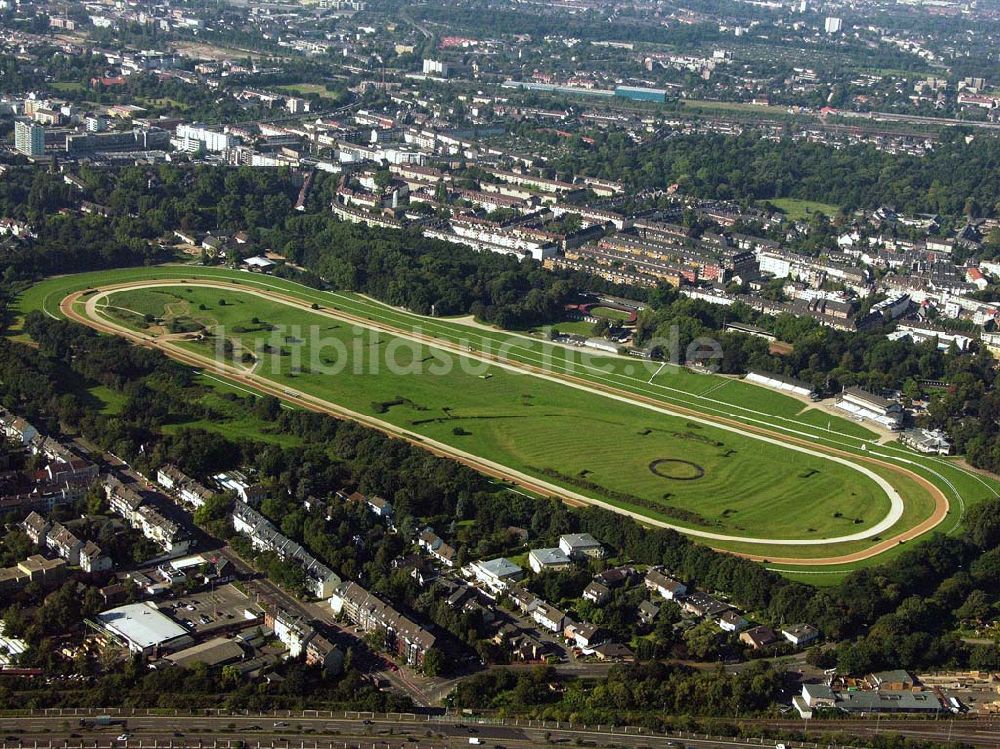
103 721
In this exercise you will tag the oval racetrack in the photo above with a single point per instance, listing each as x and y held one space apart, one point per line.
91 316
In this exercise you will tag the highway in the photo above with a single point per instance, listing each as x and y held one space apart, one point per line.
409 730
359 731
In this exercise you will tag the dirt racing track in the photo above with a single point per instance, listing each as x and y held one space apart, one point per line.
85 310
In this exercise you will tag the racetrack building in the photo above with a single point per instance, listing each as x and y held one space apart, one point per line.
867 406
781 383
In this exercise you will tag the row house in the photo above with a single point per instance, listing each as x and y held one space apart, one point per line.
16 429
264 536
401 635
430 542
132 506
190 491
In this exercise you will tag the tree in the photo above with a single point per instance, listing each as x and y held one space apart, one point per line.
435 662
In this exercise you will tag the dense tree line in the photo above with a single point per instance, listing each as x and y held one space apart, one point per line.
748 168
427 276
626 693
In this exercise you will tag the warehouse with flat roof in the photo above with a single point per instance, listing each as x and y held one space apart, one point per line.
143 628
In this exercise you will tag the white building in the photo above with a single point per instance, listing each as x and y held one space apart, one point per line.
864 405
581 546
142 627
731 621
547 616
926 441
780 382
800 634
833 25
548 559
198 137
437 68
497 574
29 138
666 586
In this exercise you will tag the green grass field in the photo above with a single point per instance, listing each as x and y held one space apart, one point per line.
671 385
610 313
580 440
309 88
800 210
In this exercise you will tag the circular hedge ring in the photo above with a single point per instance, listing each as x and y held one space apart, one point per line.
676 470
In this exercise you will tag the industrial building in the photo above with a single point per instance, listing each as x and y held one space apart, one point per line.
142 628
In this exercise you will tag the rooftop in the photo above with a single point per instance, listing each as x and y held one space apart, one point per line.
499 567
141 624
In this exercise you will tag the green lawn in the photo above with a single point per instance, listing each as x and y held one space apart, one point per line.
66 86
586 442
673 386
800 210
108 401
303 89
610 313
733 106
575 327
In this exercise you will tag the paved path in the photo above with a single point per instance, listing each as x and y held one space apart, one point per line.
92 318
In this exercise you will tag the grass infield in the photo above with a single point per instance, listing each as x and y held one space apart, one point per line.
565 435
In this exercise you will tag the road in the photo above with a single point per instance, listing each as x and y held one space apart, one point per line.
491 468
406 729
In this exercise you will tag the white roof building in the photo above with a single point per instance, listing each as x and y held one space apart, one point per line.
141 626
548 559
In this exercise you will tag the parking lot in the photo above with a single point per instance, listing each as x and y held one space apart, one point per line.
208 611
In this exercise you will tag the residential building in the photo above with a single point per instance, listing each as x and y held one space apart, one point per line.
497 574
596 593
667 587
401 635
702 604
548 617
758 637
188 490
29 138
381 507
731 621
17 429
36 568
64 544
581 546
36 527
584 634
800 634
648 611
265 536
523 599
291 630
323 653
93 560
548 559
194 138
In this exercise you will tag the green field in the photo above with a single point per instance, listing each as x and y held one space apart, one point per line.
610 449
580 440
303 89
800 210
610 313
